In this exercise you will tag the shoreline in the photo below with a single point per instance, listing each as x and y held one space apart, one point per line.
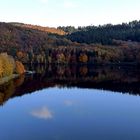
89 64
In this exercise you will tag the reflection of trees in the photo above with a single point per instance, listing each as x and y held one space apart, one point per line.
7 90
119 79
112 78
60 70
19 81
83 70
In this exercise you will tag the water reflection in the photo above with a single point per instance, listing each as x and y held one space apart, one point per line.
42 113
120 79
68 103
8 89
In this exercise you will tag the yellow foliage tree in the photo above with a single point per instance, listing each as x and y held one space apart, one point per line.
7 65
83 58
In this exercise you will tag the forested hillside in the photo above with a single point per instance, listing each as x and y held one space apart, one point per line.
19 37
105 34
33 44
20 41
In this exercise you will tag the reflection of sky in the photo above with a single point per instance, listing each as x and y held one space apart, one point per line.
71 114
42 113
68 102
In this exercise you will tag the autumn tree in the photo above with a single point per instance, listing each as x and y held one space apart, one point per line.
7 65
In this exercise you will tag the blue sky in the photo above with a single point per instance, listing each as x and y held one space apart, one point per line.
69 12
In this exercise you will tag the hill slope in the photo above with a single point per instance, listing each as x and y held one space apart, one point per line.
40 28
24 38
35 46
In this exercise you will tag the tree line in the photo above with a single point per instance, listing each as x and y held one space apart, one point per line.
104 34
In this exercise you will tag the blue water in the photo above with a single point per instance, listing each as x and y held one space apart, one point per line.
71 114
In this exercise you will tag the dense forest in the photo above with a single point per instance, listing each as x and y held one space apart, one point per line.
105 34
108 44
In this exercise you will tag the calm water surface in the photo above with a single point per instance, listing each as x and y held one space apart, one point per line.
55 112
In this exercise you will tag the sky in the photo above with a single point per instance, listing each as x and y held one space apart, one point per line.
76 13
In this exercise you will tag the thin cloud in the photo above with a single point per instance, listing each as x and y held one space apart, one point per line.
44 1
70 4
43 113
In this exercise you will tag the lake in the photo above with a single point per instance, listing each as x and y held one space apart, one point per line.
72 103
